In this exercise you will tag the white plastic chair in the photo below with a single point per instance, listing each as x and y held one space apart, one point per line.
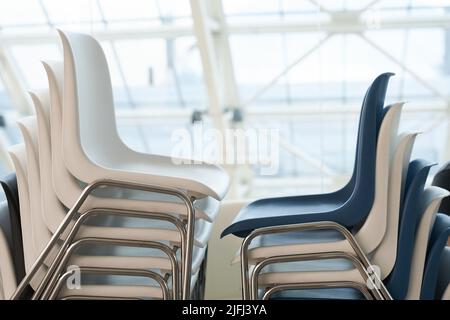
158 261
89 122
92 147
18 154
68 189
421 244
134 170
52 209
18 157
54 213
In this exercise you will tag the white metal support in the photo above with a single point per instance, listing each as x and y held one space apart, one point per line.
224 58
173 31
208 55
228 87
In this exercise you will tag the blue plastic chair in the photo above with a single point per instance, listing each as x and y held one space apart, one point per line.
347 206
442 179
443 283
397 282
437 265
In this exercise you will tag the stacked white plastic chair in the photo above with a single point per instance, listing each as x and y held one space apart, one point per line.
82 188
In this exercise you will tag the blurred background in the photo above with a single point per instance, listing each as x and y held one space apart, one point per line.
299 66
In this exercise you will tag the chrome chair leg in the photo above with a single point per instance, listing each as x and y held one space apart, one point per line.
309 256
115 242
318 285
188 201
81 297
84 216
321 225
114 271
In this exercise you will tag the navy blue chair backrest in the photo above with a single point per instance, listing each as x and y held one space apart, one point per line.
436 245
361 200
442 179
398 279
347 190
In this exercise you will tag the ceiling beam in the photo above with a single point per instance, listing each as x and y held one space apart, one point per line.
339 23
342 23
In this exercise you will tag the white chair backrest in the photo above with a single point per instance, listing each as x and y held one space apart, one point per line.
19 160
52 210
92 147
41 234
373 229
65 185
88 109
385 254
434 196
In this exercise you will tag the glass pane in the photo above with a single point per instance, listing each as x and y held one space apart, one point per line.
162 72
30 66
21 12
80 11
129 10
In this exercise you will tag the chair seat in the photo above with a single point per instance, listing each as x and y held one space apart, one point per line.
111 291
127 257
283 210
199 180
147 230
293 243
312 271
320 294
299 237
124 227
310 265
206 208
115 287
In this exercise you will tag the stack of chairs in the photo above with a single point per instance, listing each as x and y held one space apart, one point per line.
379 237
82 206
131 225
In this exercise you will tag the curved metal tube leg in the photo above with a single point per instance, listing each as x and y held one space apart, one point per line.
114 271
83 217
310 226
106 241
304 257
318 285
81 297
126 185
